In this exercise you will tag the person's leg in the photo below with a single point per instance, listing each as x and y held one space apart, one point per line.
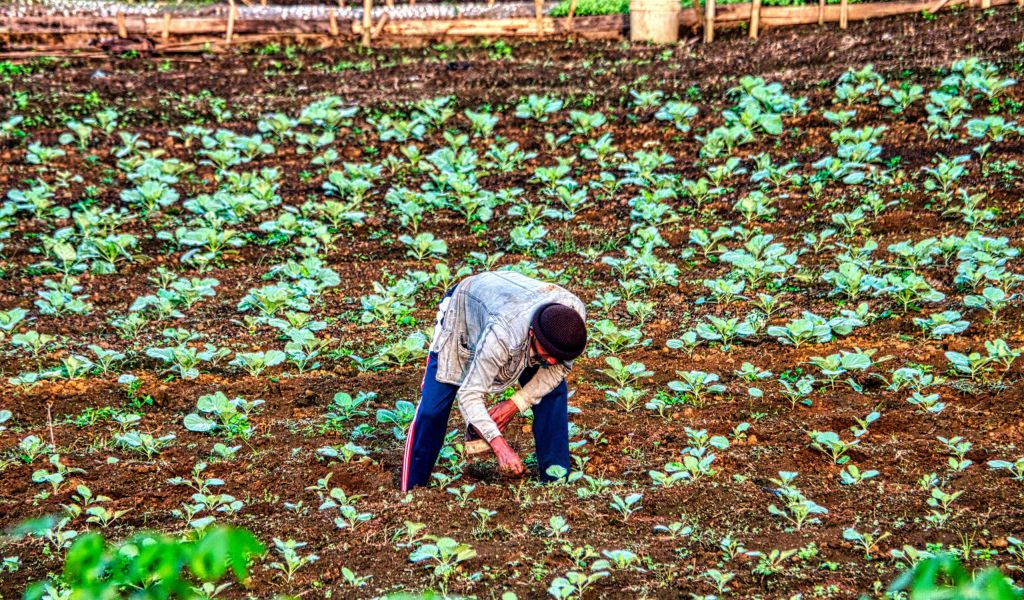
551 429
426 433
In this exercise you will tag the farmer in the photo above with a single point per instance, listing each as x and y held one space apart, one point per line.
494 329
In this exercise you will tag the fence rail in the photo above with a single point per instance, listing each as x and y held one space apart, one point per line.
171 32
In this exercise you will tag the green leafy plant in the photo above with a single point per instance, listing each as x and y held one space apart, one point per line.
166 567
943 576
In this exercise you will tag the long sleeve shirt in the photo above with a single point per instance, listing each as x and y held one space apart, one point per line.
482 342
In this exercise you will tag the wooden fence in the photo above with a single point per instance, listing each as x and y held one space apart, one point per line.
171 32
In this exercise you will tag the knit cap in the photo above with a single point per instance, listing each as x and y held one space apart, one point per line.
560 331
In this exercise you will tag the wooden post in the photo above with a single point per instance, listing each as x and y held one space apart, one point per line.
166 33
821 12
986 4
390 3
538 12
844 13
367 15
698 14
572 14
122 29
231 22
709 21
378 27
755 18
332 22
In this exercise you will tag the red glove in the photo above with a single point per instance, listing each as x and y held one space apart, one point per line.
508 461
503 413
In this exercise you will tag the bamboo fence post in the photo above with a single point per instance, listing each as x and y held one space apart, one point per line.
755 18
367 13
538 12
390 3
378 28
572 13
122 28
166 33
986 4
821 12
332 22
231 22
698 14
844 13
709 21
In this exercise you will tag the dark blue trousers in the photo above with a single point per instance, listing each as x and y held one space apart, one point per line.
429 426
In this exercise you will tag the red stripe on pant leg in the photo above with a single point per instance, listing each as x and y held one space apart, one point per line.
412 431
408 450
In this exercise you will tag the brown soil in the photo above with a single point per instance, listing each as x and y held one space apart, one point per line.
278 463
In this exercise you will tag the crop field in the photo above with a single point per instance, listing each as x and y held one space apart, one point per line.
801 261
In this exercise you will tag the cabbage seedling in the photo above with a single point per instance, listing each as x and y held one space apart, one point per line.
574 584
973 364
929 404
852 475
255 363
626 506
424 245
144 443
697 385
725 330
942 501
1016 468
400 417
291 560
346 453
627 398
866 541
344 407
622 374
830 443
797 508
227 416
538 107
991 299
184 359
939 325
444 557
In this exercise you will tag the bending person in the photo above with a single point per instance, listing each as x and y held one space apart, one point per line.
495 329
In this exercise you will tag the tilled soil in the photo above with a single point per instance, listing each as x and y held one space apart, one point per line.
278 464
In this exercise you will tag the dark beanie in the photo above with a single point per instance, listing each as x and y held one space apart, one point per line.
560 331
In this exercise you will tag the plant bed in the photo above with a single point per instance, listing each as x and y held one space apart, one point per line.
266 246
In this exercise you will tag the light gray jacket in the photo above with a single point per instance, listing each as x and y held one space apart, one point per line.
483 345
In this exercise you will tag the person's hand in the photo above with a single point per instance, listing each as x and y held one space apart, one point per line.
502 413
508 461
